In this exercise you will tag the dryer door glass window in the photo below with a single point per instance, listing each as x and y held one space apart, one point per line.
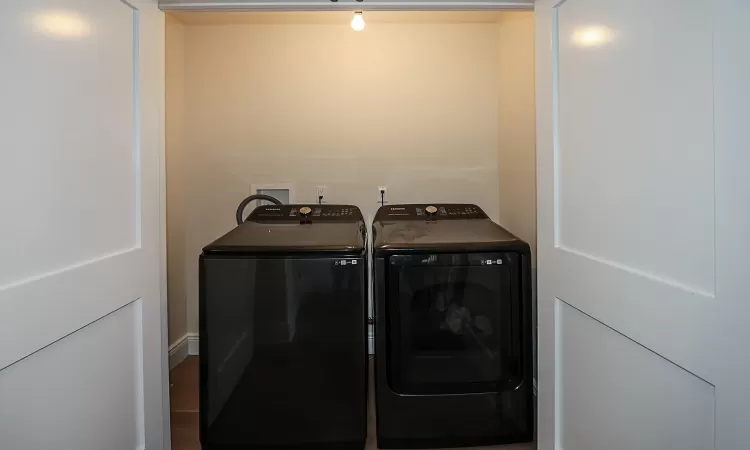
454 323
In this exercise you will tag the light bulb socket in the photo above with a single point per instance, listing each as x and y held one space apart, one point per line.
358 21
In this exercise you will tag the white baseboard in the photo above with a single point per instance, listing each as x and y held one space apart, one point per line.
193 344
183 347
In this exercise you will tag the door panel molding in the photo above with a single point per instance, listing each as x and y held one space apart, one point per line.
614 176
72 188
616 387
574 254
77 302
111 412
626 303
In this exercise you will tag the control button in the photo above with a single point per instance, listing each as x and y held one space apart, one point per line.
305 211
431 210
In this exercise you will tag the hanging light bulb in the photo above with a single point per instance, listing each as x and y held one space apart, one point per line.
358 21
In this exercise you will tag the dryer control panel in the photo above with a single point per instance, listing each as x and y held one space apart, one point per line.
312 212
433 211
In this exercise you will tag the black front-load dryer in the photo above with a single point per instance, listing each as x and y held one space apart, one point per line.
283 317
453 363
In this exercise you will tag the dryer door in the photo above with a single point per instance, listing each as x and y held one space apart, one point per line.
454 323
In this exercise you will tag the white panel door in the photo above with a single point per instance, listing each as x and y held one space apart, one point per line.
82 353
644 212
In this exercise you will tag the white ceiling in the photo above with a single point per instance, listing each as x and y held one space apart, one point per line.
346 5
336 17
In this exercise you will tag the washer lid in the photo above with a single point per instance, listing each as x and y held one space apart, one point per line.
457 228
282 230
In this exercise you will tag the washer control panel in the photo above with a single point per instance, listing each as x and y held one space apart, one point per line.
312 212
435 211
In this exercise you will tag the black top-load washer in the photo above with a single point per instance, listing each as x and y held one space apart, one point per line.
453 329
283 327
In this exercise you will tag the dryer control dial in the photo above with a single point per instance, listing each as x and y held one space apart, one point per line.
305 211
431 210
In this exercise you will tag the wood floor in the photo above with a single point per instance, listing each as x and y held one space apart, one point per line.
184 407
183 390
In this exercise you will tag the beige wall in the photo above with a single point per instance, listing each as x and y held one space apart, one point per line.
410 106
517 125
175 148
517 133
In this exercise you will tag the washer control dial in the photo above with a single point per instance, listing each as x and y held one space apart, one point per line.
431 210
305 211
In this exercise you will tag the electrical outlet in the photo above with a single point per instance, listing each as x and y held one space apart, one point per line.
320 193
383 194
